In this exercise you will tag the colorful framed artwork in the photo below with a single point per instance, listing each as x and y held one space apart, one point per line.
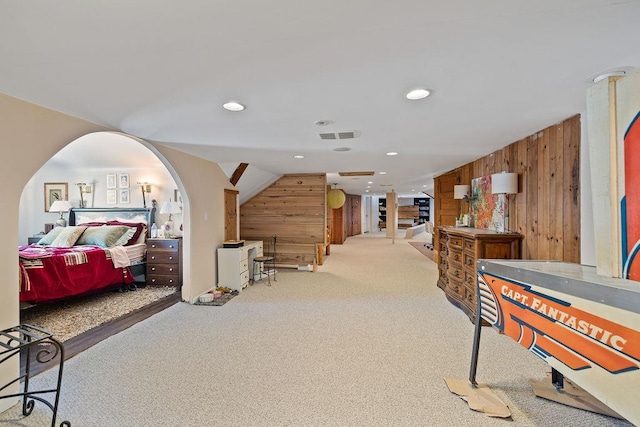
124 196
54 191
111 181
112 197
123 180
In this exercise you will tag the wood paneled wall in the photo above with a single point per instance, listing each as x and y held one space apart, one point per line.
546 209
294 209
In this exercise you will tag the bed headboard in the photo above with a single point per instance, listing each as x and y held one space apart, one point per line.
108 214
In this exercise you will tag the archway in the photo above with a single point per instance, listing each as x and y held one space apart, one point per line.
91 160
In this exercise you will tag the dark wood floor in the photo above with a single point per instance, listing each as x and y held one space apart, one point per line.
81 342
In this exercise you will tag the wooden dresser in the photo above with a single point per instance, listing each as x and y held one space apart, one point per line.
164 262
459 249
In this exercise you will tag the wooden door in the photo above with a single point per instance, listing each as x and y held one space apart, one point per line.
338 229
355 215
230 214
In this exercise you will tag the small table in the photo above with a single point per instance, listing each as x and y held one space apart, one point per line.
28 338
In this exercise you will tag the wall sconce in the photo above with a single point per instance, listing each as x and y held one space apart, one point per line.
83 188
145 187
502 184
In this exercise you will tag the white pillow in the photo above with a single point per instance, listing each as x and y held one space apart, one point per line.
83 219
69 236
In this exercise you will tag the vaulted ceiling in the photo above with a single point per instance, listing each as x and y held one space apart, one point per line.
498 70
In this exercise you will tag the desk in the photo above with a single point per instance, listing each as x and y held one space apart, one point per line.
235 264
585 326
38 342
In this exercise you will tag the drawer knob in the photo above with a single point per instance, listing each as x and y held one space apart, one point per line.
153 269
170 257
153 245
171 269
170 280
171 246
153 257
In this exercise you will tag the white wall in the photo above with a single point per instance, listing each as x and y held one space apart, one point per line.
32 214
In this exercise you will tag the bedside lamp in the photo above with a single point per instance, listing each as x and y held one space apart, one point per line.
504 183
60 206
169 208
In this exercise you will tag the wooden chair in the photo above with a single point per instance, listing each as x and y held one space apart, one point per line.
268 259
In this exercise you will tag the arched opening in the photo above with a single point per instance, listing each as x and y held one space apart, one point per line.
102 170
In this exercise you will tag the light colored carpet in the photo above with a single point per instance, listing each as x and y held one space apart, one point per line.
365 341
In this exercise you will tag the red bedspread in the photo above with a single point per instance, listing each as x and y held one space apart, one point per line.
49 273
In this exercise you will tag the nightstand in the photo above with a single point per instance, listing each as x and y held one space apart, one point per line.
34 239
164 262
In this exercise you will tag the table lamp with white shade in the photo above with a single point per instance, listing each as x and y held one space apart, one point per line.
503 184
60 206
170 208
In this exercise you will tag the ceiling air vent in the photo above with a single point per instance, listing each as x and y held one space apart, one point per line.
327 135
338 135
364 173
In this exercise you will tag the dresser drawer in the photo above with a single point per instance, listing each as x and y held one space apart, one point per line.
469 261
163 244
244 265
455 272
469 245
164 269
162 257
455 242
470 280
455 286
244 278
455 255
162 280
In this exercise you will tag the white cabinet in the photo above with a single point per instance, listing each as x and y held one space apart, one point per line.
235 265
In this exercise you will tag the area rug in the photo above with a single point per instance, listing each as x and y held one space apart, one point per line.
71 317
217 302
420 246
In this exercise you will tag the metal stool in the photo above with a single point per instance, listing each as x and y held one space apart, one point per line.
259 262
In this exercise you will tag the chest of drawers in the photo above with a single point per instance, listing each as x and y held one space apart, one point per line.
164 262
459 250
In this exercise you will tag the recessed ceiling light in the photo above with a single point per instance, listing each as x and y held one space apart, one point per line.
392 153
382 173
342 149
417 94
322 122
366 191
369 182
298 156
233 106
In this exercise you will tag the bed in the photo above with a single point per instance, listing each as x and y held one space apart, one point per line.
102 248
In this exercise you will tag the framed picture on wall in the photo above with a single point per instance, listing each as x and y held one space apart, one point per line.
111 181
112 197
54 191
124 180
124 196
